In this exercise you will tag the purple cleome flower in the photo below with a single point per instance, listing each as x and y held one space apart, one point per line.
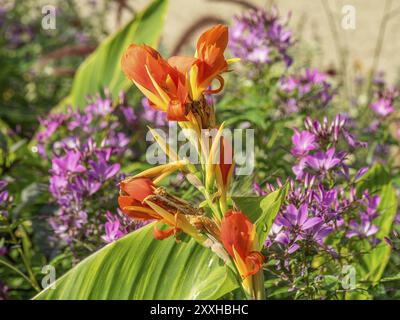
313 213
295 224
303 143
4 199
68 164
315 147
363 229
315 207
385 101
112 228
84 166
101 170
260 37
383 107
322 162
298 218
151 115
302 91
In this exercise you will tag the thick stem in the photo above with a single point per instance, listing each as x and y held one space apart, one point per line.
253 286
213 206
222 202
258 285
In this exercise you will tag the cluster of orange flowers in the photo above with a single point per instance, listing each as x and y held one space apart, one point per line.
178 86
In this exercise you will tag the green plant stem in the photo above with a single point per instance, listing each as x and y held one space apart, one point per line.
16 270
258 285
27 265
222 202
29 270
214 208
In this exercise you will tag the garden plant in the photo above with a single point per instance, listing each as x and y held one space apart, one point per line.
232 169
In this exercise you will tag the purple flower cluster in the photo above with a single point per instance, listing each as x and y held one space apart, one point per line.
96 120
316 147
363 226
76 175
118 225
384 104
260 37
302 91
112 227
151 115
316 205
4 195
313 211
85 147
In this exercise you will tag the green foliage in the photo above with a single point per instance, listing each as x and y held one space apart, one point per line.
102 68
270 207
373 264
262 211
37 64
139 267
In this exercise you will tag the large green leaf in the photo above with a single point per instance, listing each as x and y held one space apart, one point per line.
250 206
102 68
378 181
262 211
270 206
139 267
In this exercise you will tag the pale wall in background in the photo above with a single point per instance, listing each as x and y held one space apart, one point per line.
310 24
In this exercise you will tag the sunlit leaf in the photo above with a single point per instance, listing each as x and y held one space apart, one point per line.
102 69
378 181
140 267
262 211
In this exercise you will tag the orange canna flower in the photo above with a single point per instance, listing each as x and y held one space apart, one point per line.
163 84
211 61
132 195
171 85
238 235
132 203
140 199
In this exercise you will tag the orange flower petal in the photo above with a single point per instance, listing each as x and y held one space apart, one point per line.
134 62
153 75
126 203
216 36
236 231
176 111
226 164
210 51
163 234
138 188
254 262
237 235
182 64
